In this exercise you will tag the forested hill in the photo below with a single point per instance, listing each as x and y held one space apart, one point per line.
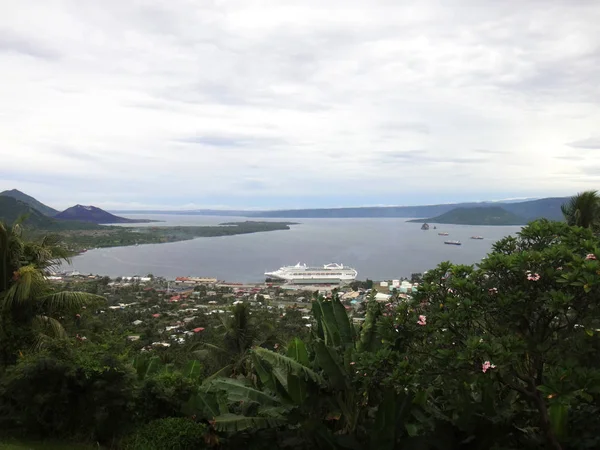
11 209
493 215
29 200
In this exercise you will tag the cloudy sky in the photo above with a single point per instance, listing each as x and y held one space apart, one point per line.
264 104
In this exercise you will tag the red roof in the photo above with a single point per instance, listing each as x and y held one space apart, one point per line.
198 330
155 315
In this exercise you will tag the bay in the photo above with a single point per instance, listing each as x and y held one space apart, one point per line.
378 248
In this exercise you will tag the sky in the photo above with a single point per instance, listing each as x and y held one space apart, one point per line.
178 104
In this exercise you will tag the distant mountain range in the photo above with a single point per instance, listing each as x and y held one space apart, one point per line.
28 200
548 208
512 212
94 215
485 215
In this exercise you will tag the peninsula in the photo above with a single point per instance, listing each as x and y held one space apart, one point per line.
79 240
80 227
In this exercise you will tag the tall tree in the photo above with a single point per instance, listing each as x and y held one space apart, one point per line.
30 307
583 210
239 332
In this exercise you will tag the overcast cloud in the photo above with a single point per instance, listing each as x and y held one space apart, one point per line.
241 103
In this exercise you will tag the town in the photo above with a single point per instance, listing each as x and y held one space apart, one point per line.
162 312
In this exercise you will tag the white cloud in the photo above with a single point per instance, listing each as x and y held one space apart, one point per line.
250 103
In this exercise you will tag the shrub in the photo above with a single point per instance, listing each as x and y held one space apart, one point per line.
173 433
163 395
67 391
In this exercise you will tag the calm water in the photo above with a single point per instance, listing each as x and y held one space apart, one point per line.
377 248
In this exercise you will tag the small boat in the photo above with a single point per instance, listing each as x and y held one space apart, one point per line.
453 242
443 234
435 228
477 237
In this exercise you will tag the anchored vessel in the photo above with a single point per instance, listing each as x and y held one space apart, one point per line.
453 242
303 274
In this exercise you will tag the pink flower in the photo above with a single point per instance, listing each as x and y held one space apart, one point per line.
352 363
486 366
590 256
493 291
533 276
422 320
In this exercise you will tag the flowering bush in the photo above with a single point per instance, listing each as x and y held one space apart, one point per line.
512 345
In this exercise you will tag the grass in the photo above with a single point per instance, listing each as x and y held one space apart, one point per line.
37 445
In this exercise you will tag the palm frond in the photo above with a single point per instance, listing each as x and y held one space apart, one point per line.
205 404
47 328
28 285
289 364
222 372
193 369
68 300
582 210
238 391
329 361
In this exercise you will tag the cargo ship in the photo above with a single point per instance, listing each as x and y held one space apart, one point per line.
453 242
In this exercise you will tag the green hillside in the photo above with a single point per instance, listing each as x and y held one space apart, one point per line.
11 210
487 215
28 200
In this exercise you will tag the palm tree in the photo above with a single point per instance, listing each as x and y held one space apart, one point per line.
583 210
239 334
29 306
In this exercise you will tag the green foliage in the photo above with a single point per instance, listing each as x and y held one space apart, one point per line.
163 395
168 434
583 210
67 391
530 311
29 307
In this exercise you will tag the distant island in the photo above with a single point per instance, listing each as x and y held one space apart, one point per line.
488 215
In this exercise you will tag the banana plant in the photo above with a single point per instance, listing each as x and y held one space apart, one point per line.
326 376
312 387
232 405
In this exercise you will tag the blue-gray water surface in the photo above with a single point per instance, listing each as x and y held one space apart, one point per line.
379 248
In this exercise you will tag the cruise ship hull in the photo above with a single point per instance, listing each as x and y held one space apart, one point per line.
313 280
304 275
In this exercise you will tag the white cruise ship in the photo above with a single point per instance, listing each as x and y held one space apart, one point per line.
303 274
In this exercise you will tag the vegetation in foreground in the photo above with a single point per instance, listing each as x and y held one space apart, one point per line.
502 355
